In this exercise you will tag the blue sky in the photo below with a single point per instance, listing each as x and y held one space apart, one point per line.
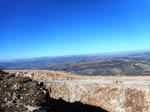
34 28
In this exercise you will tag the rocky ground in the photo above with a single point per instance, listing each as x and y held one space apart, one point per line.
112 93
22 94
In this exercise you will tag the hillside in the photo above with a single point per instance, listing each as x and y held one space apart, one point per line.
129 64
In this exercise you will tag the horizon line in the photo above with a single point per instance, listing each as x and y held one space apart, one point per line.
102 53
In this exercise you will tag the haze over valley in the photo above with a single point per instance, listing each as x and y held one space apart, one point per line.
124 63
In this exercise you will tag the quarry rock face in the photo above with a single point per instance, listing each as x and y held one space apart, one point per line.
114 94
111 97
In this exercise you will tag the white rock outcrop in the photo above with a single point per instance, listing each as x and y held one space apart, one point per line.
114 94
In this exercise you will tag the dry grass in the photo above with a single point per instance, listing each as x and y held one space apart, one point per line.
80 77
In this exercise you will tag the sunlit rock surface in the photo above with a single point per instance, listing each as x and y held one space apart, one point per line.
114 94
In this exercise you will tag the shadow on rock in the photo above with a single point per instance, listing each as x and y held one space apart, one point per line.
22 94
63 106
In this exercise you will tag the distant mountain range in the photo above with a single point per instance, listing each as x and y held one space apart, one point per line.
123 63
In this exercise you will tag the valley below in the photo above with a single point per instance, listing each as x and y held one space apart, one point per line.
123 64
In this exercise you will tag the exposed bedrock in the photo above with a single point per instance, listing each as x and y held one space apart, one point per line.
113 98
123 94
22 94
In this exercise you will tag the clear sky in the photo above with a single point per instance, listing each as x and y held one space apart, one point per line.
34 28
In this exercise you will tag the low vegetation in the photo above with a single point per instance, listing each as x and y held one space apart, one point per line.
128 65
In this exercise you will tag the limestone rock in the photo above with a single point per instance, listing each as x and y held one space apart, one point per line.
114 94
105 94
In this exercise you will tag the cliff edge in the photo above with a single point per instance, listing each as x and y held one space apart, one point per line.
114 94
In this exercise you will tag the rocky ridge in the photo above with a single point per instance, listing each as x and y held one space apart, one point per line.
19 93
114 94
